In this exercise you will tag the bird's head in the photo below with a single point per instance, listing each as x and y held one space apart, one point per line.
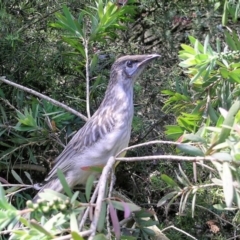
127 68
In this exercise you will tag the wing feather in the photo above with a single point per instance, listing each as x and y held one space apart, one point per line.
95 129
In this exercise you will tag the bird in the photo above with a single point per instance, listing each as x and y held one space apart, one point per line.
106 133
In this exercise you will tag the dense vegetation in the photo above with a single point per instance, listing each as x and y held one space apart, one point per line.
187 112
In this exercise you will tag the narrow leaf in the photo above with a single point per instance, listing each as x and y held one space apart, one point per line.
115 221
164 199
89 186
227 184
191 150
73 222
16 176
64 183
120 206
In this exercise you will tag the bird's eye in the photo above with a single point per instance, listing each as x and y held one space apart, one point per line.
129 64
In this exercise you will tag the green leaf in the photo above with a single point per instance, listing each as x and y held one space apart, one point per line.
143 213
225 13
41 229
200 73
194 138
223 156
185 178
164 199
212 113
170 181
16 176
74 197
89 186
227 184
99 237
217 5
49 195
193 204
230 41
190 150
64 183
188 49
28 176
228 121
73 222
174 131
147 223
206 44
76 236
220 207
148 231
120 206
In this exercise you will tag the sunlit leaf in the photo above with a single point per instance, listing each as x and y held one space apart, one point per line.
73 222
76 236
227 183
191 150
170 181
64 183
89 186
120 206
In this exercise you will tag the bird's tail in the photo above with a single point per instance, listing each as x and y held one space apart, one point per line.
54 185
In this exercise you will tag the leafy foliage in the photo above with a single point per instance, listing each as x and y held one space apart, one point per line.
50 48
207 123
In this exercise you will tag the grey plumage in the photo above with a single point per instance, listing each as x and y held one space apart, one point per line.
107 132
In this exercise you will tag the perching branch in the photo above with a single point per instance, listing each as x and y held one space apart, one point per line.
40 95
101 195
146 144
168 157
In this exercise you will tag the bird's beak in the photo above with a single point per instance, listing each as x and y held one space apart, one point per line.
147 59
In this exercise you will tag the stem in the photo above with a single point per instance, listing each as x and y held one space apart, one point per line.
31 91
101 195
87 80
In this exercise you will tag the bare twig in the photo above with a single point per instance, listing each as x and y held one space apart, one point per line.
27 26
216 215
168 157
179 230
19 190
17 148
16 185
101 194
40 95
93 198
108 209
146 144
27 167
9 104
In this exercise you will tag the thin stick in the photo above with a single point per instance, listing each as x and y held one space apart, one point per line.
113 178
40 95
180 230
101 195
169 157
93 198
148 143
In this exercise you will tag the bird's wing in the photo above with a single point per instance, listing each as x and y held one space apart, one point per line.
95 129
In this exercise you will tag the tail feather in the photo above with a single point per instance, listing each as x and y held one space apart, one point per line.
54 185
